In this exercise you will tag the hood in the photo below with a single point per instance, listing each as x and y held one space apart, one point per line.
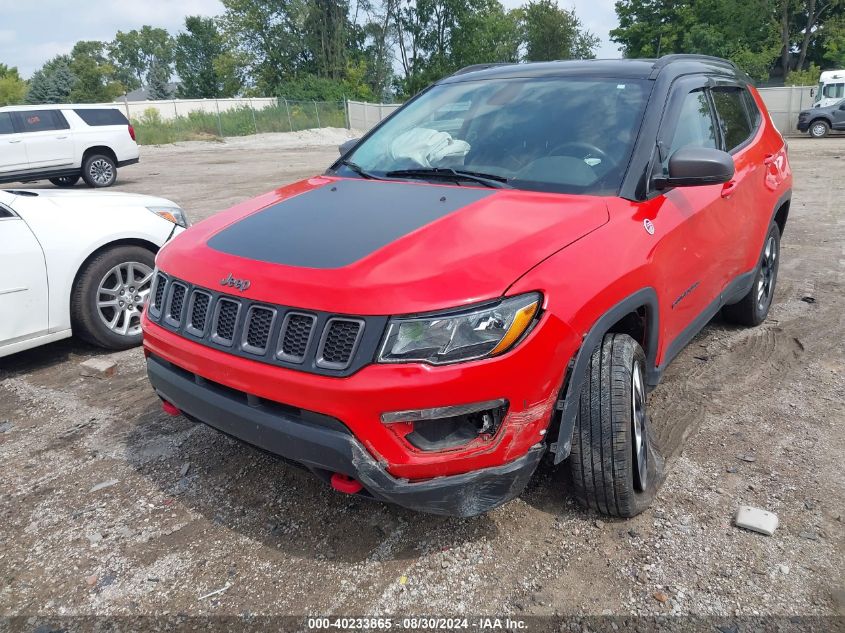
91 198
373 247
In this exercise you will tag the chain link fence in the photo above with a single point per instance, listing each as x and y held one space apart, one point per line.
168 122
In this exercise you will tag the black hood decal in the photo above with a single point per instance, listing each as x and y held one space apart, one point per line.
340 223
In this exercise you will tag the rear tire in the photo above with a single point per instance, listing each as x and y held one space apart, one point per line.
754 307
97 315
616 467
819 128
65 181
99 170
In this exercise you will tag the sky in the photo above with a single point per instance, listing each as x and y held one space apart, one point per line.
33 32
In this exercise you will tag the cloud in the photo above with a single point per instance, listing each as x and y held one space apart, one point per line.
32 33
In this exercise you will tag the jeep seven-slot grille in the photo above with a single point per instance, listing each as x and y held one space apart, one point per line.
199 311
161 282
297 332
227 316
259 323
310 341
177 302
339 342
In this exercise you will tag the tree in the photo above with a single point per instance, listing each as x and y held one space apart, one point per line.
203 62
486 33
95 76
145 54
12 87
745 32
554 33
268 37
327 30
53 82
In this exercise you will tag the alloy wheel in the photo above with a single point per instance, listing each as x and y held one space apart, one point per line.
768 270
639 423
121 295
101 171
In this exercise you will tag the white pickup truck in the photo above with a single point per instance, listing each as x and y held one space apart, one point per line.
65 142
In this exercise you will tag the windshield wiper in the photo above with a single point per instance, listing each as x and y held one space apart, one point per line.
359 170
488 180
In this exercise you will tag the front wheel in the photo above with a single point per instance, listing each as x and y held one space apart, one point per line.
615 465
65 181
819 129
99 170
109 295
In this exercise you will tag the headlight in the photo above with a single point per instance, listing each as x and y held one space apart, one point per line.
172 214
458 336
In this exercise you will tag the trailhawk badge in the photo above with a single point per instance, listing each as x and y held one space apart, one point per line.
240 284
648 224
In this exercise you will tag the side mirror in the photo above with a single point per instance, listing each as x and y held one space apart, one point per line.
344 147
842 107
812 92
695 166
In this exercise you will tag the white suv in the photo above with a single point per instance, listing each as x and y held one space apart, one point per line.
65 142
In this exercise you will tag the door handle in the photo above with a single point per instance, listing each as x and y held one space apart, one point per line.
728 189
61 138
769 159
18 141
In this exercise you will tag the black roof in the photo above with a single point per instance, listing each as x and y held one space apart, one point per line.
617 68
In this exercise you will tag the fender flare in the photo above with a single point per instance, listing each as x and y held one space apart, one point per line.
644 297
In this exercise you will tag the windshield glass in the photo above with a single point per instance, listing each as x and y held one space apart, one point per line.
560 134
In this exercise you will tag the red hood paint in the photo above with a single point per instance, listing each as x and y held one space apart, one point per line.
468 256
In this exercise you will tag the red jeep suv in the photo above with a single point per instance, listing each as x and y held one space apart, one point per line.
496 273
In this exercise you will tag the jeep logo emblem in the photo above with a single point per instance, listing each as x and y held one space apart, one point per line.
240 284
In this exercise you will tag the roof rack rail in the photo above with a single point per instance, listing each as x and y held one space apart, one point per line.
692 57
475 67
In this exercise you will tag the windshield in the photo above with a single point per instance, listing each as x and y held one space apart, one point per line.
561 134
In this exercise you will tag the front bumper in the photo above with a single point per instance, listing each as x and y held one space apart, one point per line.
325 446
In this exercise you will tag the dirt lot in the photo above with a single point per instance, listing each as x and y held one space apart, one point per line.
745 416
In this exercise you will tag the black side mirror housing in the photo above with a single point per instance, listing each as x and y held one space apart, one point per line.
696 166
344 147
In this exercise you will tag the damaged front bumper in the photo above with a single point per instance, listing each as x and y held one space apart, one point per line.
326 447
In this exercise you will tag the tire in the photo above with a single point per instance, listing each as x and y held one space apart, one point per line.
819 128
97 283
754 307
615 465
65 181
99 170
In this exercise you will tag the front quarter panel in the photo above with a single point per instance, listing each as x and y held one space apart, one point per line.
69 235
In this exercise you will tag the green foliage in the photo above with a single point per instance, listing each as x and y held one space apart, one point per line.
487 34
352 86
53 83
269 37
94 75
809 77
833 42
288 116
758 35
553 33
205 66
12 87
145 55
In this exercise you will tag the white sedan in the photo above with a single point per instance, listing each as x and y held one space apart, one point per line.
78 263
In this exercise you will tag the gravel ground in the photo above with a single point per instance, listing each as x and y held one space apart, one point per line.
110 507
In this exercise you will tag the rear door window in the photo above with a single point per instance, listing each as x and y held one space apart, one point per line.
6 124
100 117
42 121
733 116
